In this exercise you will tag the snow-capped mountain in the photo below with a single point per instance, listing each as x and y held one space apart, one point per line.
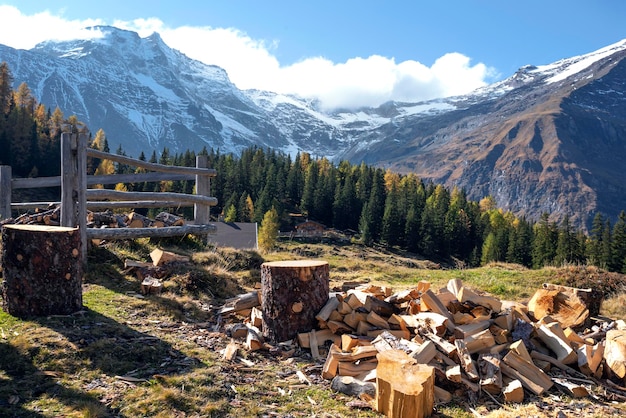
550 138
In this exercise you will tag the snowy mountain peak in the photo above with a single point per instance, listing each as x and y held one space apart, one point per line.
147 96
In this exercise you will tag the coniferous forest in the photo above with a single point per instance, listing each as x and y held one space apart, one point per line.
376 205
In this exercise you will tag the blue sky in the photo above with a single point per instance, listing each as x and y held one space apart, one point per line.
344 52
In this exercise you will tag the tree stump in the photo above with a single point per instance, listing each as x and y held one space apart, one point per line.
292 293
42 269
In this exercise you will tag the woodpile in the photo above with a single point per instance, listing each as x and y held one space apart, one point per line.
51 216
472 343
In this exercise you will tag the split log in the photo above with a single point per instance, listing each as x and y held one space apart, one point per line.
574 389
230 352
435 305
353 319
480 341
329 370
285 284
160 257
490 373
615 354
513 392
532 377
349 341
304 338
562 305
431 321
256 317
254 339
453 373
42 269
241 302
467 295
564 352
404 387
590 358
151 286
379 306
328 308
346 368
376 320
425 352
465 359
442 396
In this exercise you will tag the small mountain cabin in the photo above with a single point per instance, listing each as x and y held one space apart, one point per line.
310 229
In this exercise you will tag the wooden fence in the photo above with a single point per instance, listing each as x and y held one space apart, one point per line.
76 198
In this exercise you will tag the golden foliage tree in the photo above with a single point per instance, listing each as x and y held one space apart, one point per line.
268 231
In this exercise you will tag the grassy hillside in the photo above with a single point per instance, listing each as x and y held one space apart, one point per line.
128 355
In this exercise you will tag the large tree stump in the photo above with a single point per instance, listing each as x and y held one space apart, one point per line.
292 293
42 269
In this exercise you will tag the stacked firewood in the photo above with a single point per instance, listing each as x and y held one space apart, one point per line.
107 219
470 341
50 216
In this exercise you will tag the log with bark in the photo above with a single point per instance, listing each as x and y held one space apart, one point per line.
293 293
43 270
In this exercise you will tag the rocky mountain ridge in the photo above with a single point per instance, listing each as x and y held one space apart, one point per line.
547 139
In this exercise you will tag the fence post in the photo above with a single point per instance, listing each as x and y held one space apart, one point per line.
203 187
81 182
5 191
69 181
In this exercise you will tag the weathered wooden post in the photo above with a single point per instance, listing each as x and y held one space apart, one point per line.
5 191
74 185
43 273
292 293
203 188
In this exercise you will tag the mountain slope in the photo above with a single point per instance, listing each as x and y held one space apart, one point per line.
554 141
547 139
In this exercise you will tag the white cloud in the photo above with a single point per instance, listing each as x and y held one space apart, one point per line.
250 63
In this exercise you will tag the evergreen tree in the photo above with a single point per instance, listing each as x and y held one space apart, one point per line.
366 225
520 243
393 223
606 253
618 258
594 249
544 242
307 204
6 90
566 245
490 251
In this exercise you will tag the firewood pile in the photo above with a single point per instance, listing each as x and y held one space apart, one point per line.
52 216
422 347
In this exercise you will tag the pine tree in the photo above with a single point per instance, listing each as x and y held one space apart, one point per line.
594 249
619 244
268 231
544 242
393 223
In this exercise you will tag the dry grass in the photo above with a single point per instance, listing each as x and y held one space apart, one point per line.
615 306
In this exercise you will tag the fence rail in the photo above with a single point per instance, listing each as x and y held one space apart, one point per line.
76 198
